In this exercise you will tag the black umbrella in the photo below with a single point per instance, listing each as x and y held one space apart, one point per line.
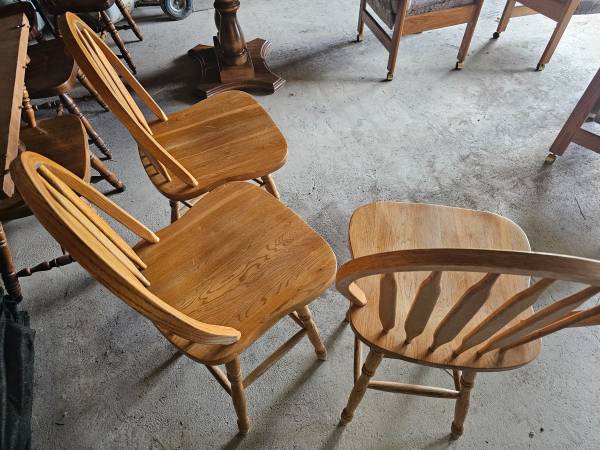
16 376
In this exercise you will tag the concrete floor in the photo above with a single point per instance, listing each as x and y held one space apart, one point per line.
104 376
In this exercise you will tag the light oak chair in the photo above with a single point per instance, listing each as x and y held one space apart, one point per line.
228 137
450 288
560 11
405 17
212 282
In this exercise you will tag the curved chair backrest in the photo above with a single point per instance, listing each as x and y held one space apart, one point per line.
102 67
492 332
53 194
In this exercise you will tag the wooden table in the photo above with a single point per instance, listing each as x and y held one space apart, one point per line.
231 63
13 54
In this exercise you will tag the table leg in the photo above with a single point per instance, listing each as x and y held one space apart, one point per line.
7 267
232 63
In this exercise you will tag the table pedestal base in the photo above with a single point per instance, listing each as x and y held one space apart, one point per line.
253 75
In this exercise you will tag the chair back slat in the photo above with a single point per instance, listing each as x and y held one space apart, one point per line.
551 314
463 310
505 318
388 293
504 314
103 203
91 215
96 237
423 305
569 321
83 236
103 68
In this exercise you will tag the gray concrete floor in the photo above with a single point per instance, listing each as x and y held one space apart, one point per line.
104 376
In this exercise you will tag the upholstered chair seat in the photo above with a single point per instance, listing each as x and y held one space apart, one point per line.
387 10
588 7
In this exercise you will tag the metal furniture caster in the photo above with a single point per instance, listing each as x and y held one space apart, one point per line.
460 65
390 76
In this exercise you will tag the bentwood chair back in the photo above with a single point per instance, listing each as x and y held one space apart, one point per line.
103 69
465 309
228 137
53 194
212 283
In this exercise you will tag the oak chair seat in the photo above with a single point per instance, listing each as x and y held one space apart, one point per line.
244 271
228 137
51 71
61 139
389 226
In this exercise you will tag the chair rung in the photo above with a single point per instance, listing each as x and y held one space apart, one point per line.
412 389
273 358
220 377
377 30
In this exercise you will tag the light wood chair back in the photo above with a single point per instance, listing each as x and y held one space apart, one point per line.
104 69
54 195
498 329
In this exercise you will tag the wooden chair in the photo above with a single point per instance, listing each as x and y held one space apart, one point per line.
61 7
587 107
225 138
212 283
51 72
404 17
64 140
449 288
560 11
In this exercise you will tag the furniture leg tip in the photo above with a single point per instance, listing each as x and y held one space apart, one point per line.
390 76
322 356
540 67
550 158
120 189
455 432
344 419
496 35
359 37
460 65
243 429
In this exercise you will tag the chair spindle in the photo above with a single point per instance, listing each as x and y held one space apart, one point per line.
463 311
387 301
423 305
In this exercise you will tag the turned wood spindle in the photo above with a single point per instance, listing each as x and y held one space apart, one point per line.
232 45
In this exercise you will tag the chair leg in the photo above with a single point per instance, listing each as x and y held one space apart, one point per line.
361 22
238 395
468 36
467 381
129 19
72 107
313 334
117 38
360 387
506 15
29 113
86 83
106 173
561 26
174 210
398 27
270 186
